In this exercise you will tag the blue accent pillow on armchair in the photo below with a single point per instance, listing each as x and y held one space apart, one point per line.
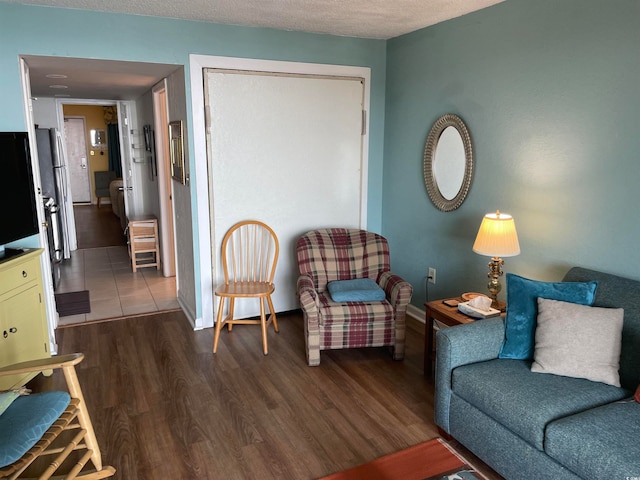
355 290
522 310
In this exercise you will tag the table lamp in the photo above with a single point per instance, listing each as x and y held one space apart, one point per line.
497 237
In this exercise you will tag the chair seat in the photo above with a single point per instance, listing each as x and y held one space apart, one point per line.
26 420
334 313
245 289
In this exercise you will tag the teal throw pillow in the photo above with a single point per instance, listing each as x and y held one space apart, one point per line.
355 290
522 310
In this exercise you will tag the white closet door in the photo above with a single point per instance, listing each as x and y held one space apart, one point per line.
285 150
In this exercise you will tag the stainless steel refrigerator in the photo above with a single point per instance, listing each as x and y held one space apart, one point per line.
56 196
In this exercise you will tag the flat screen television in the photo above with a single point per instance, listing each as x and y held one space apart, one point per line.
19 217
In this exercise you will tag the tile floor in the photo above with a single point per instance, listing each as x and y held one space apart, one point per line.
114 290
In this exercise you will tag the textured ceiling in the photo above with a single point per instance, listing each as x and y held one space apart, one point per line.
354 18
96 79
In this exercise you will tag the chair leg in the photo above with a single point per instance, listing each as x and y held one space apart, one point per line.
232 304
263 325
273 314
216 335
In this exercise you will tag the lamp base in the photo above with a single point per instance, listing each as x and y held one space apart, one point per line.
494 287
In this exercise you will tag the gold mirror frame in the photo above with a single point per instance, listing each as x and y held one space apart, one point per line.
176 151
430 149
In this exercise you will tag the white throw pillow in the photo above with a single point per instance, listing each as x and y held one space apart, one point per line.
578 341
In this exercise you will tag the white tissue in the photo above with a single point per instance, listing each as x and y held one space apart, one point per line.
481 303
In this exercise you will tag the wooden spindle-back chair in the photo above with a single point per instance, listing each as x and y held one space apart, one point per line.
249 256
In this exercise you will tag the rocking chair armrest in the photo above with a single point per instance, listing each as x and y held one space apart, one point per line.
51 363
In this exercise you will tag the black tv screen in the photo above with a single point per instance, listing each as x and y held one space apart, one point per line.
17 197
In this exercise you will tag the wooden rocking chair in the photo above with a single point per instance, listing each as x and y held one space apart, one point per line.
49 424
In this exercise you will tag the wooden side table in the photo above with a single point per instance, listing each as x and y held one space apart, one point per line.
450 316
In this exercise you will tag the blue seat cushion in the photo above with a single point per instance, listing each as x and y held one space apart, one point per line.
599 443
525 402
25 421
355 290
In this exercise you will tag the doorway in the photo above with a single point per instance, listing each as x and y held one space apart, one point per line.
201 177
102 263
74 133
130 80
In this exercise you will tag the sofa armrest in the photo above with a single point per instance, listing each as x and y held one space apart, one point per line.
308 296
462 345
397 291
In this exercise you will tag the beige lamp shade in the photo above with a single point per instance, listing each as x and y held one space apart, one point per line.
497 236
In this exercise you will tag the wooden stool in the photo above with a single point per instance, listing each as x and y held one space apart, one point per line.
143 242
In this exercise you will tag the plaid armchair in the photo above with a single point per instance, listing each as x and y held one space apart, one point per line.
332 254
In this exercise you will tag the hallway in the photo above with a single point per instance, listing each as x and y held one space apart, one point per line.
103 267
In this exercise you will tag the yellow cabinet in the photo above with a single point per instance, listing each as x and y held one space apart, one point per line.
23 322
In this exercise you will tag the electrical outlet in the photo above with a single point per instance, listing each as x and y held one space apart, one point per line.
432 275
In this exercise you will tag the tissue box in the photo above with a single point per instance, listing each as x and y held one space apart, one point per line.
472 312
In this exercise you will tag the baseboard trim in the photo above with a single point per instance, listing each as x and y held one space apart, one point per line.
416 313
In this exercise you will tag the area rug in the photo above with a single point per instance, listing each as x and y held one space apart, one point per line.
73 303
431 460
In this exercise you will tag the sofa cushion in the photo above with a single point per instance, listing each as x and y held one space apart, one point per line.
598 443
355 290
578 341
522 310
636 397
525 402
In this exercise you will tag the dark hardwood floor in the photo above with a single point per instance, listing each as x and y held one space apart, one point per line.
97 227
164 407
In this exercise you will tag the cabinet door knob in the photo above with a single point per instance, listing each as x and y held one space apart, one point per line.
5 334
13 330
24 274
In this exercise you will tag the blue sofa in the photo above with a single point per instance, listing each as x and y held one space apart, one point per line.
541 426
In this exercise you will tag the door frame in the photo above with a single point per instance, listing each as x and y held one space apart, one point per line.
165 185
45 264
60 102
200 174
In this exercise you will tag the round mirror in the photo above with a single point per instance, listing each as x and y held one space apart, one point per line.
448 162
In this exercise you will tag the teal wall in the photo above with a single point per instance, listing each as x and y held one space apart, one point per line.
550 92
548 89
32 30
